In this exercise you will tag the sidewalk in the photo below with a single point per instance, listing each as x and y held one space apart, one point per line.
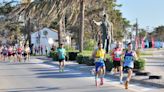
157 57
144 80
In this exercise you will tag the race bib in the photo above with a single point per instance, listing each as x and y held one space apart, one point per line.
117 55
128 58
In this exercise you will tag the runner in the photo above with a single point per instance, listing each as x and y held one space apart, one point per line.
26 53
116 55
10 53
99 56
14 53
1 52
4 51
129 57
19 54
61 56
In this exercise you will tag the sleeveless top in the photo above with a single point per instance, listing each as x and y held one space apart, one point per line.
117 54
100 53
128 59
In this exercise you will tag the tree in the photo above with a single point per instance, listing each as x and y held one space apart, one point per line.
47 12
81 33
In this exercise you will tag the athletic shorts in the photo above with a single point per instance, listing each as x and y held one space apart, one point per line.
25 54
5 54
116 64
126 68
99 65
9 54
19 53
13 54
61 60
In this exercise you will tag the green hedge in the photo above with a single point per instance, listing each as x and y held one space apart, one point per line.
53 55
89 44
139 64
84 58
81 59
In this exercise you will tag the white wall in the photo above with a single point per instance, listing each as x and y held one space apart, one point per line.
45 40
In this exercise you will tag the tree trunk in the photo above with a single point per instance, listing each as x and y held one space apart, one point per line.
81 33
29 28
60 32
28 31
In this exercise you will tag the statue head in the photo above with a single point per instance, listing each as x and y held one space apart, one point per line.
105 17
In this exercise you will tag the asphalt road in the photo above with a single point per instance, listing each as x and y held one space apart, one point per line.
39 77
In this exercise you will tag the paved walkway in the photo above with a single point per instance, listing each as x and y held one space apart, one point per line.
155 65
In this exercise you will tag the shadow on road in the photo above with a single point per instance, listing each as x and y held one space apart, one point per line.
39 89
54 72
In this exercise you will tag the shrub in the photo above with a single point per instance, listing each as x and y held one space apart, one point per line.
69 48
88 61
51 54
85 58
109 64
139 64
55 57
79 59
89 44
138 52
72 55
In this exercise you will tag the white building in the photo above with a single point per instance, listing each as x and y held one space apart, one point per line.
46 38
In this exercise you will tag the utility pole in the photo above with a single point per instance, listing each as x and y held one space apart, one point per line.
137 37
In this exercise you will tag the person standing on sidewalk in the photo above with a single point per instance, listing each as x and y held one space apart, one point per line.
116 56
61 52
99 56
41 49
129 58
46 50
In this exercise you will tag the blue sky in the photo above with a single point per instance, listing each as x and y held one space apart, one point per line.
148 12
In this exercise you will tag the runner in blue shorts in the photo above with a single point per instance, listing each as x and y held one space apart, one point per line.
99 56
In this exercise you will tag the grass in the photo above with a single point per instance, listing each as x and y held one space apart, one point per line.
89 53
146 54
86 53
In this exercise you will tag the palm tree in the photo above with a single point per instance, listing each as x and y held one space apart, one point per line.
46 11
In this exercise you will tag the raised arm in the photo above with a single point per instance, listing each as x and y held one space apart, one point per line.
110 28
97 23
135 55
94 54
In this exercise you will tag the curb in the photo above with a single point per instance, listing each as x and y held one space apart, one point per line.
157 58
142 82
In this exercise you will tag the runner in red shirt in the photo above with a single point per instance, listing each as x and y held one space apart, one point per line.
19 54
10 53
116 56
